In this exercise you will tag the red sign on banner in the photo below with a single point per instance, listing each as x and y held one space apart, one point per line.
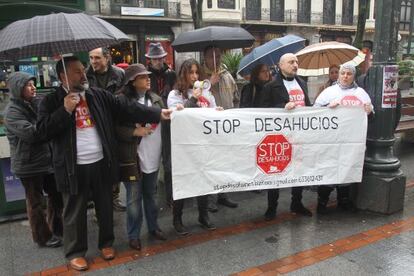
273 154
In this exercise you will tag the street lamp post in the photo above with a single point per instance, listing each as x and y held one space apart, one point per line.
383 184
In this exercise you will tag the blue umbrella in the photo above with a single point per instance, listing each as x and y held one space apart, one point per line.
270 52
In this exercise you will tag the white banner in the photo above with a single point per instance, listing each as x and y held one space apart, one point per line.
250 149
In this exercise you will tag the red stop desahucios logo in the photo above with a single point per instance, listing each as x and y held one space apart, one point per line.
273 153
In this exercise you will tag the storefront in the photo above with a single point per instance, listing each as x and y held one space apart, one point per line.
12 196
142 33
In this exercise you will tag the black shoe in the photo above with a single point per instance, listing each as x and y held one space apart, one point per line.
205 223
158 234
270 214
118 206
212 207
180 229
298 208
227 202
322 209
54 241
135 244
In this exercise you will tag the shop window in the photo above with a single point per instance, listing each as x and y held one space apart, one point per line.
405 15
226 4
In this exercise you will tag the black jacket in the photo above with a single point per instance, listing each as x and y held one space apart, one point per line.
275 93
115 81
29 153
127 142
60 126
251 95
162 81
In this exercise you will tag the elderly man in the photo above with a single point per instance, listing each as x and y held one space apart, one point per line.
286 91
162 79
103 75
80 123
31 161
225 93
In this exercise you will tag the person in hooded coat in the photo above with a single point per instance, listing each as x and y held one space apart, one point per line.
31 161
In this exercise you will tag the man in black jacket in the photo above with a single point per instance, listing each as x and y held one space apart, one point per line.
162 79
80 123
31 161
103 75
286 91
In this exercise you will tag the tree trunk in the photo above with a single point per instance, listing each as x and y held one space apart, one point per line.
197 13
363 8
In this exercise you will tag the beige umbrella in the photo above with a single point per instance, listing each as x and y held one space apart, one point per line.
315 59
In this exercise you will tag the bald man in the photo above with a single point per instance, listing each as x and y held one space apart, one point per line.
286 91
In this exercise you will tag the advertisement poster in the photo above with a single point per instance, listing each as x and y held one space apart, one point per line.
257 149
13 188
390 86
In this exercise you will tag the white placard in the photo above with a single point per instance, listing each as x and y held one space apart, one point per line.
249 149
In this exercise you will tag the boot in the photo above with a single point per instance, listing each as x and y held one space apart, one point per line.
179 227
298 208
322 209
270 213
205 222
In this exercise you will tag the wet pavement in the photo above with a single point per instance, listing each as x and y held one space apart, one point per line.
339 243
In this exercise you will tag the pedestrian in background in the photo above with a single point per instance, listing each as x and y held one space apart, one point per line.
251 93
226 95
103 75
140 156
162 79
332 78
31 161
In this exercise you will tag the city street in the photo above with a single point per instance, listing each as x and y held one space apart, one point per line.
339 243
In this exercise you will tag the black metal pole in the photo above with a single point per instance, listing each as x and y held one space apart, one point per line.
410 34
383 184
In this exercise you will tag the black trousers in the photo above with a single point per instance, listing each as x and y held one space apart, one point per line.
273 196
93 179
202 202
166 158
43 226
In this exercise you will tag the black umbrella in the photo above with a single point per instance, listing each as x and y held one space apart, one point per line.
216 36
55 34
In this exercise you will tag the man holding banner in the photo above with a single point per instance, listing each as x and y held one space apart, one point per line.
286 91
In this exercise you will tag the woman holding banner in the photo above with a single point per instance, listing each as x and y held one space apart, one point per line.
346 93
139 149
189 92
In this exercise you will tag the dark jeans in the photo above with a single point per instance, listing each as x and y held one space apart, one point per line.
139 194
93 177
342 192
42 228
273 196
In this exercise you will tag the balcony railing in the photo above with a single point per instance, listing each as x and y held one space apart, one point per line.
289 16
172 9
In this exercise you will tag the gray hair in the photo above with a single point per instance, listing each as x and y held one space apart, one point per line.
348 66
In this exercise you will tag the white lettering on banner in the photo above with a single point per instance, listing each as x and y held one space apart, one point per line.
247 149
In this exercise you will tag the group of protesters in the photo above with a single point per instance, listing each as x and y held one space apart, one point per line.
104 126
